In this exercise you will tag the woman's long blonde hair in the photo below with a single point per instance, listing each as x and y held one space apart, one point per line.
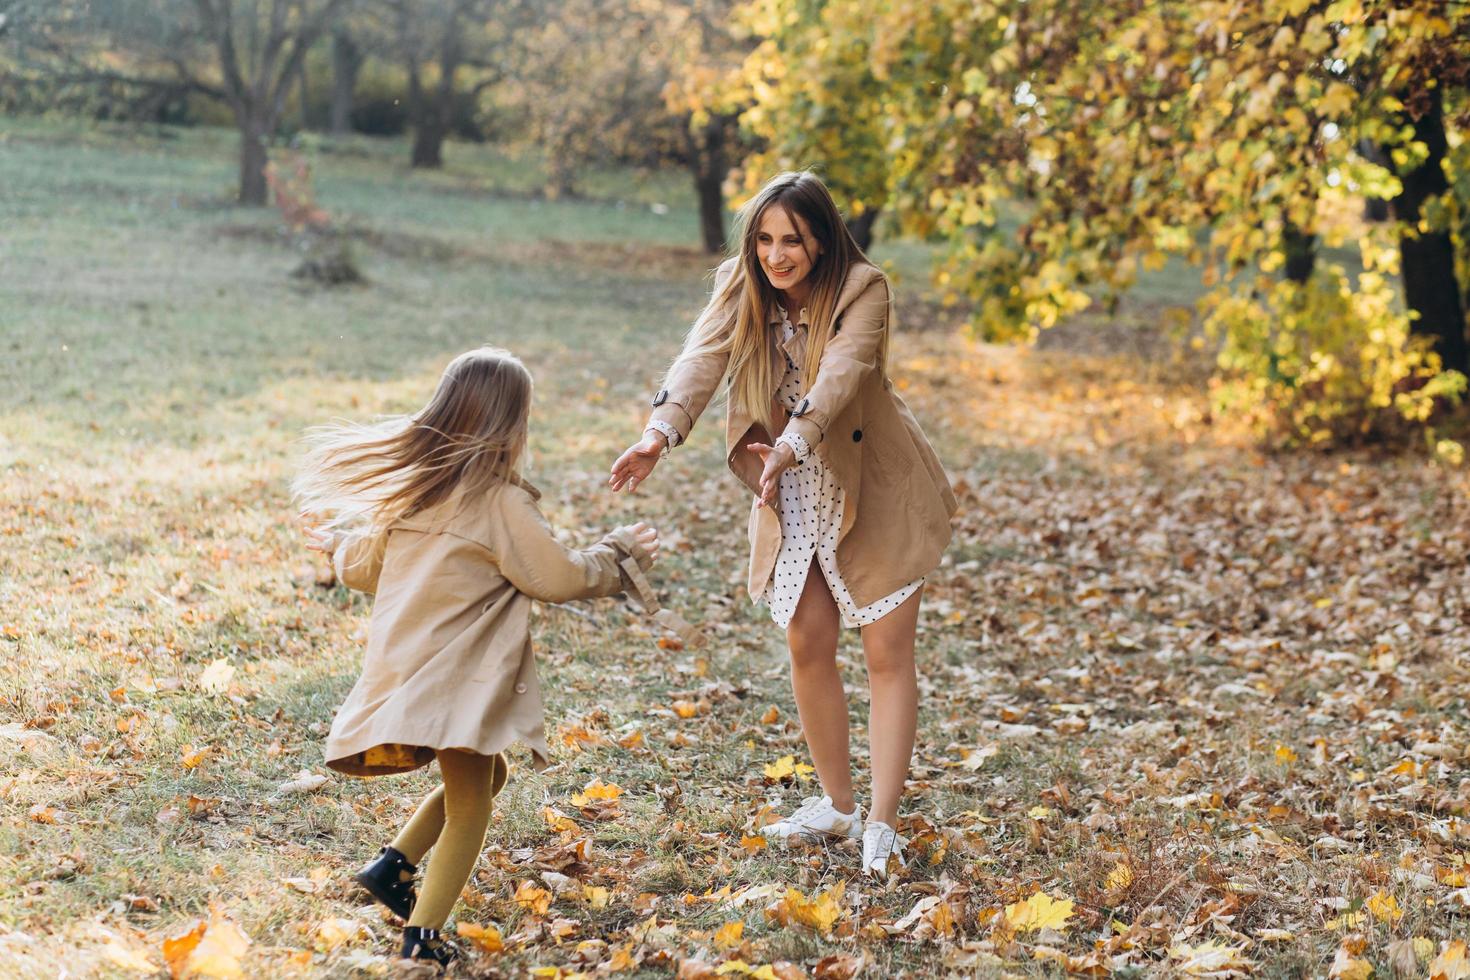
469 436
751 376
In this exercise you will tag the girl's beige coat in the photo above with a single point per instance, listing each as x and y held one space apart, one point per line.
896 522
449 663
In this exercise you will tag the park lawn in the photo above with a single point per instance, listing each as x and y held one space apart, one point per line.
1212 699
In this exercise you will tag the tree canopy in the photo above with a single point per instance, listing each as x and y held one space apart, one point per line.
1058 146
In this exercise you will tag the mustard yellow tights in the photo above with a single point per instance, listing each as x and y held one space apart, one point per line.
452 820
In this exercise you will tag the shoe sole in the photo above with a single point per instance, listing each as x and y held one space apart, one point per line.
370 886
810 837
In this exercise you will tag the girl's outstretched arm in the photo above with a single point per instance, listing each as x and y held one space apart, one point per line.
536 563
358 558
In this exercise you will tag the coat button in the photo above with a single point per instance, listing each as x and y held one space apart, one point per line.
857 435
520 689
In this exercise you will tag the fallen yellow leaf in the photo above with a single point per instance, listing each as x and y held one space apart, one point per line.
1385 907
1285 755
331 933
1208 959
558 822
1453 963
533 899
1345 966
622 959
1040 911
1120 877
209 949
941 919
729 934
818 913
1348 920
786 767
191 757
596 790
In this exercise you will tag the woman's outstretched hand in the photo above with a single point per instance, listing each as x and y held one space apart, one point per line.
633 467
776 460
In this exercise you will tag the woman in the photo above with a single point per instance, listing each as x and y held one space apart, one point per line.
851 508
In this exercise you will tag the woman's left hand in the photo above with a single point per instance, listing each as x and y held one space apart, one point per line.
776 460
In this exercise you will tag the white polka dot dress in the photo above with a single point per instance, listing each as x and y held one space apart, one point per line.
811 505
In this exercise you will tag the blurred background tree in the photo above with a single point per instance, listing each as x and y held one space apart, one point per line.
144 54
1306 159
642 82
1059 146
451 52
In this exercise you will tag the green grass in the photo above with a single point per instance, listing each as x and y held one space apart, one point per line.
1115 560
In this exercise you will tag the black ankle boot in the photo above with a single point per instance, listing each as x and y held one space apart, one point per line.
426 946
385 880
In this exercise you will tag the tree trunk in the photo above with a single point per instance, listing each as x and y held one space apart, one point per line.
253 159
303 96
428 141
1301 253
861 228
1427 259
710 163
346 63
1374 208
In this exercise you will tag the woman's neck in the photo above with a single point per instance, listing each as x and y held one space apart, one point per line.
794 299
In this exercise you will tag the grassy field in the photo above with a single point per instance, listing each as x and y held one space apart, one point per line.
1213 699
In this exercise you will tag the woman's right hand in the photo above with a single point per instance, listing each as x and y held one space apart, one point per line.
633 467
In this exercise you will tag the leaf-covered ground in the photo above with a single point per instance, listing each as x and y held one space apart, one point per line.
1186 708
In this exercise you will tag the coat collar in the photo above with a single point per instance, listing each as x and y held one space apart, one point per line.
779 314
795 345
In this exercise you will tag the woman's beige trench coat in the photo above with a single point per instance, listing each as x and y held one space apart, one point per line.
449 663
895 524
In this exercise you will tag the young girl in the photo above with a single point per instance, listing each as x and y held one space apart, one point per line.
851 508
428 512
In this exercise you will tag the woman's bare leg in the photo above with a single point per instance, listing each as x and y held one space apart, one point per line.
893 713
820 699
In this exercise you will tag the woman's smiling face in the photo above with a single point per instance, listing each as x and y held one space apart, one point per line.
785 249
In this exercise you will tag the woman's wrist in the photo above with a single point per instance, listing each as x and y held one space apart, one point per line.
663 437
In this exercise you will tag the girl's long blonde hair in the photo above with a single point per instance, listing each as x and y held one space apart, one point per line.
751 376
470 435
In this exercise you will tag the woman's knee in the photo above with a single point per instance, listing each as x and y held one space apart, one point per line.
889 660
812 641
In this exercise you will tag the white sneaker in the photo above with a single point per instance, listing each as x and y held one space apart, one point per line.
880 844
815 820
